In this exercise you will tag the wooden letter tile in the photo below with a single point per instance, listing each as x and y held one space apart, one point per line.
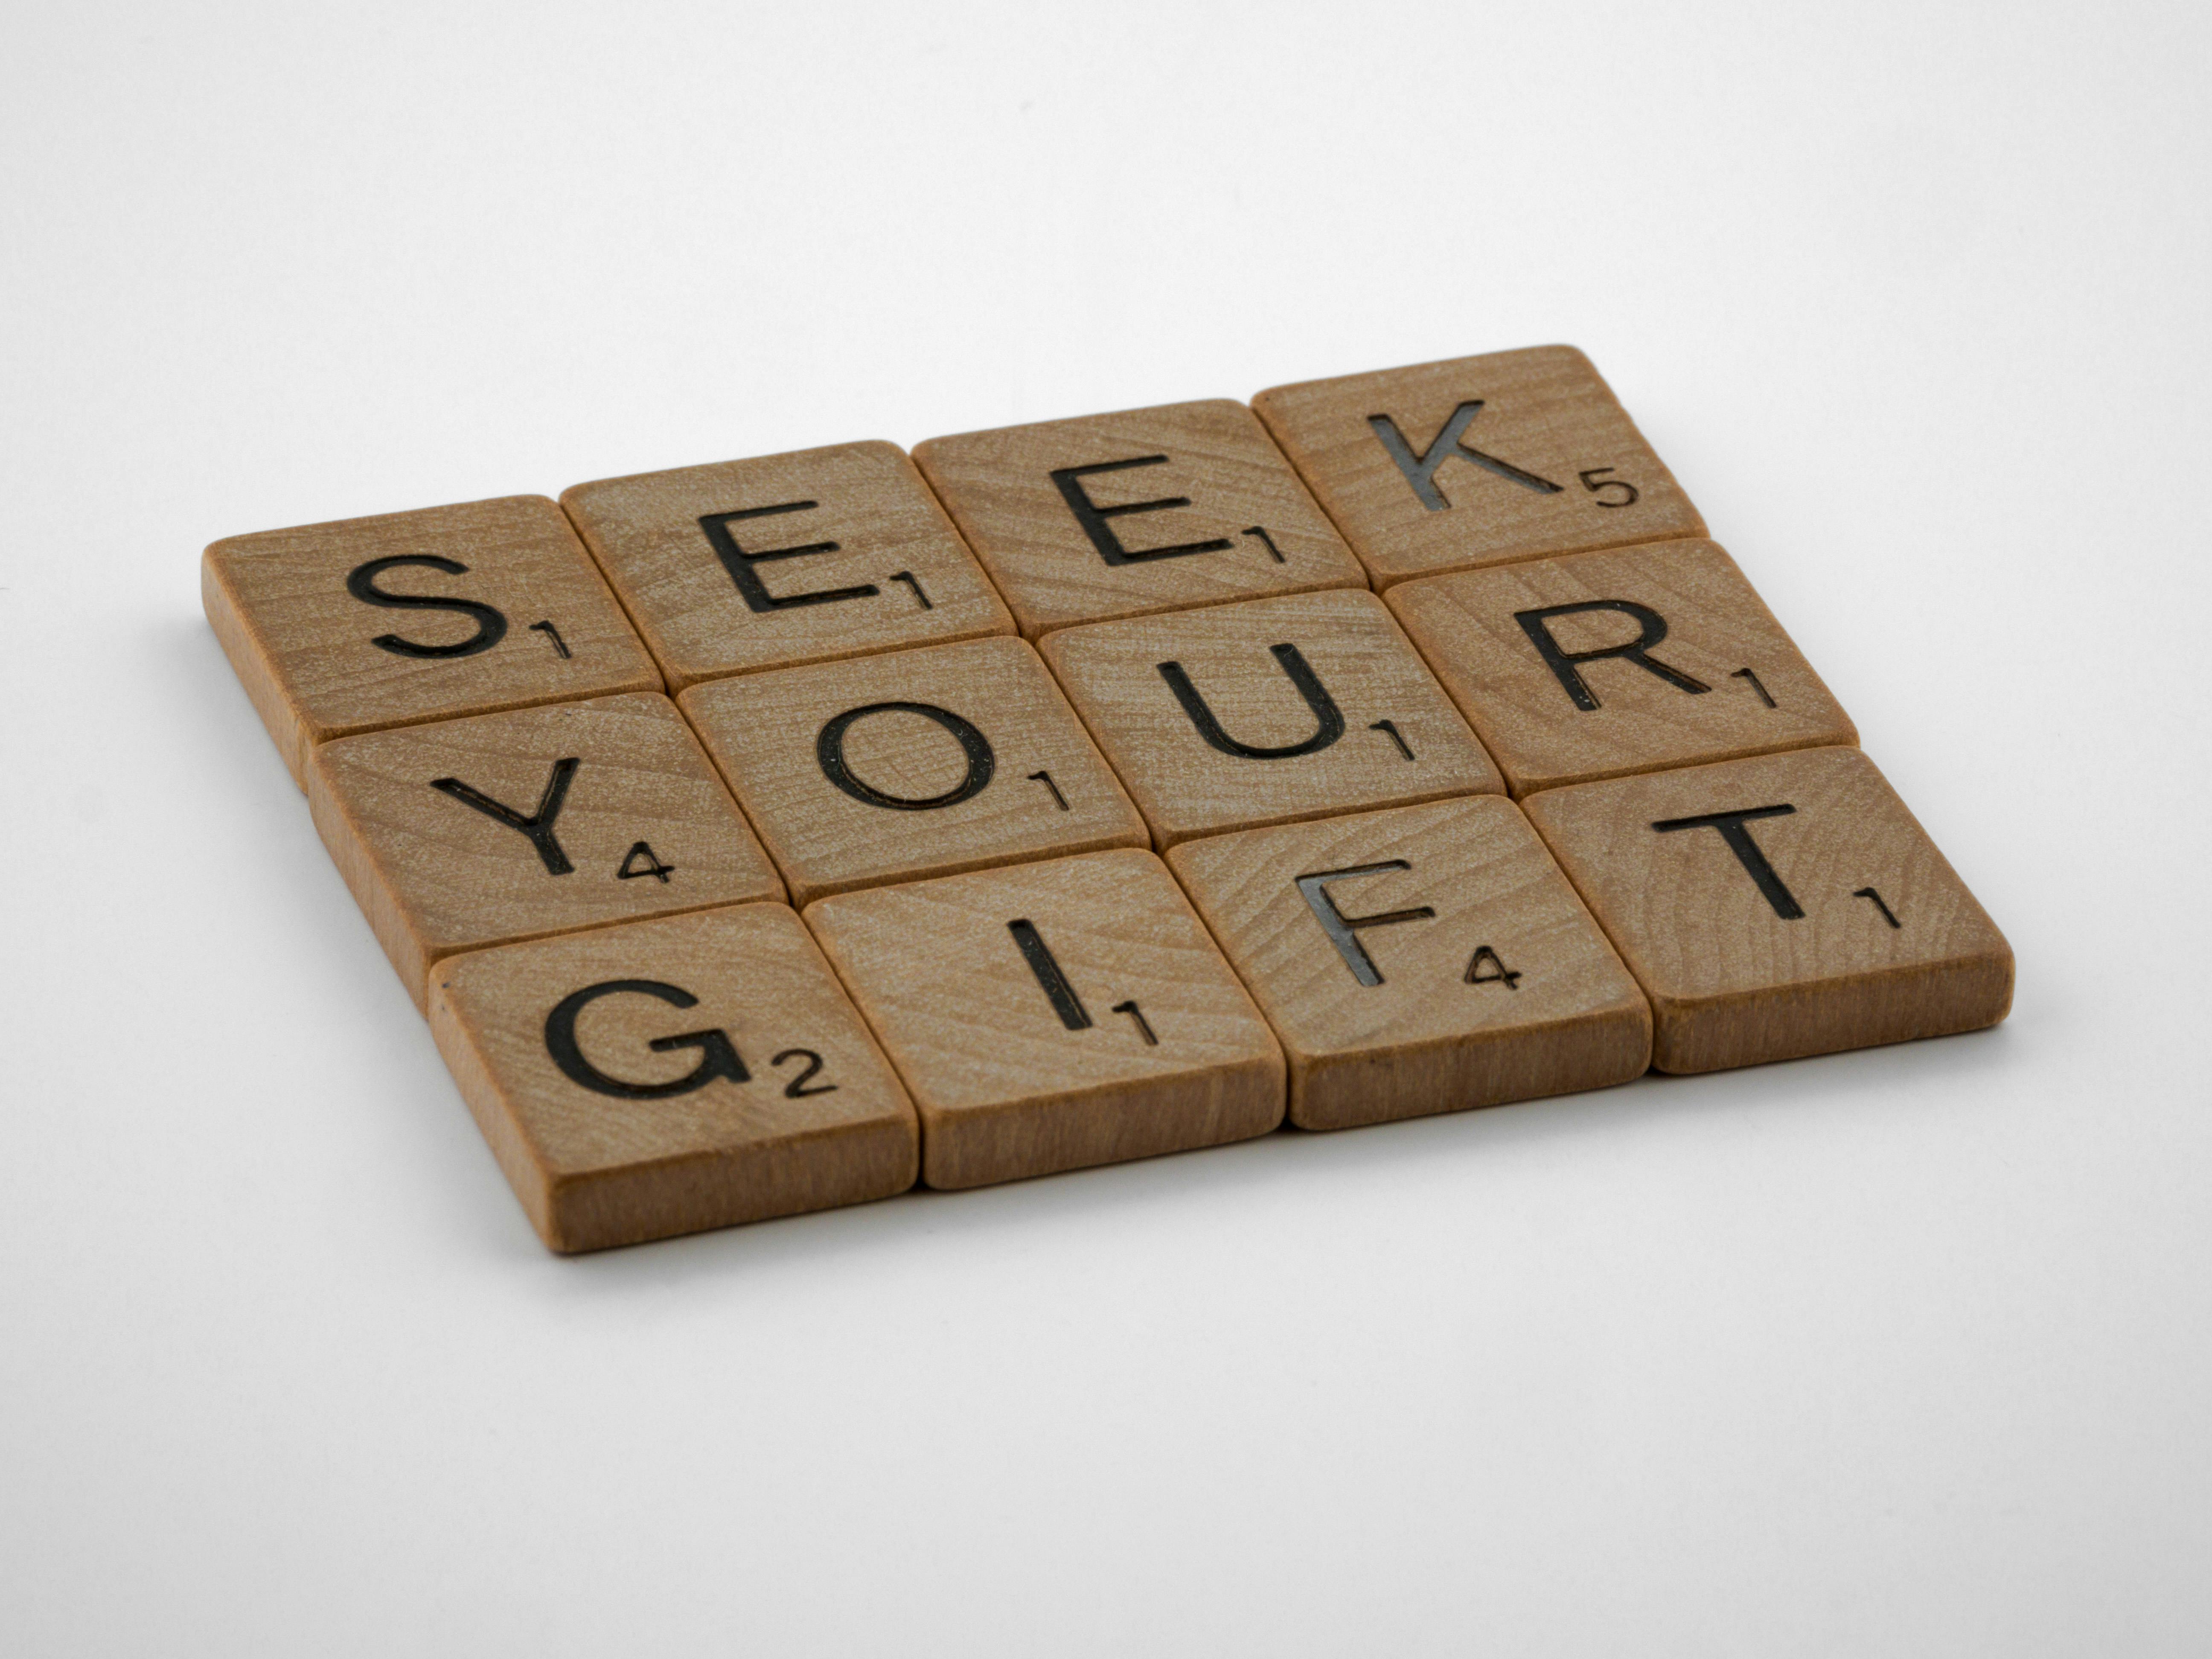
1266 712
1596 665
1477 461
1123 515
1419 959
334 628
914 763
1780 906
786 559
668 1076
1051 1016
503 827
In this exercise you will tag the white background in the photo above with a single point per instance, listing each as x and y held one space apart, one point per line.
1895 1352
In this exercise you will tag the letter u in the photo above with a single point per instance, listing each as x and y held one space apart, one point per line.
1328 719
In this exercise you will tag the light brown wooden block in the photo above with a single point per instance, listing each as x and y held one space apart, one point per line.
1640 660
336 629
504 827
1779 906
668 1076
1266 712
1477 461
1126 514
785 559
1419 959
1053 1016
915 764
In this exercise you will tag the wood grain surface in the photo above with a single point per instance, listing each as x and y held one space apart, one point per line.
1419 480
1145 1042
1638 659
1419 959
785 559
1094 542
364 624
1242 663
838 764
664 1077
640 824
1824 918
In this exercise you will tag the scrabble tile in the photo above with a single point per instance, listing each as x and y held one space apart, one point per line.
1266 712
664 1077
502 826
785 559
1639 659
337 629
1126 514
1419 959
915 764
1778 905
1477 461
1047 1017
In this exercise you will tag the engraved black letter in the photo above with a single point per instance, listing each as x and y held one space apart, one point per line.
539 827
739 563
1420 469
1746 851
718 1055
1562 663
1328 719
491 626
1094 518
1343 931
830 754
1057 991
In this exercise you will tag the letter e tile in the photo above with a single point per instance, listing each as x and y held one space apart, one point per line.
667 1076
1052 1016
1776 907
785 559
1123 515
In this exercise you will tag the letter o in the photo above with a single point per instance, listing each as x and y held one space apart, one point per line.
829 751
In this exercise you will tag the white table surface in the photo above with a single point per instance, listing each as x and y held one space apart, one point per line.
1894 1352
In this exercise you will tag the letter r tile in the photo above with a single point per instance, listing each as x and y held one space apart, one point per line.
1266 712
1053 1016
1776 907
665 1076
339 629
1419 959
469 833
1633 660
909 764
1476 461
785 559
1126 514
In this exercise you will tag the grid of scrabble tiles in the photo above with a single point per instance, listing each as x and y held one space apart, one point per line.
1397 743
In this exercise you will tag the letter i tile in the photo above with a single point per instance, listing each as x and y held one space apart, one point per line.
1419 959
1047 1017
1267 712
1776 907
666 1076
475 832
